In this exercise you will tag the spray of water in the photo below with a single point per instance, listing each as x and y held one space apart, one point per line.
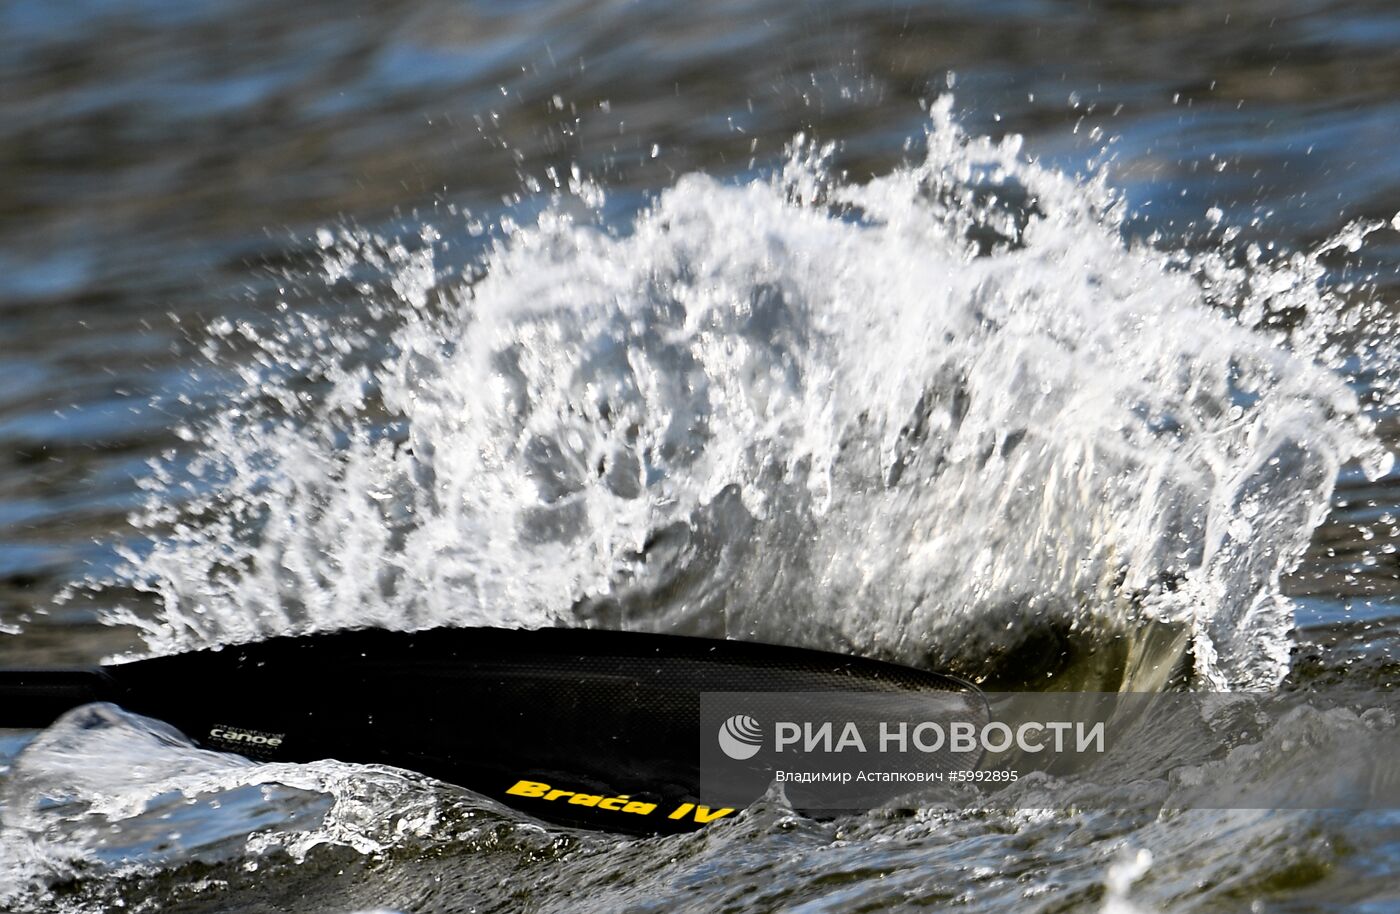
923 416
99 769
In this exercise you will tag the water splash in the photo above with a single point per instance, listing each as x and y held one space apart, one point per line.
1121 876
927 417
100 770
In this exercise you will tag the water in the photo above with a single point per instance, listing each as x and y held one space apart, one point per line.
1052 346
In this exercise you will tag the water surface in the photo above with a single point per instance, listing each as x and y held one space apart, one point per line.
1050 343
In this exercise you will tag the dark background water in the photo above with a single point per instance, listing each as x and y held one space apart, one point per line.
164 164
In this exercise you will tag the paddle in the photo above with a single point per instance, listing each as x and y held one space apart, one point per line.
609 717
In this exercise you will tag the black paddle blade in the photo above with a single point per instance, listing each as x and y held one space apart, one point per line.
607 721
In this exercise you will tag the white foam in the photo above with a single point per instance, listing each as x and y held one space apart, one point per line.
799 409
105 791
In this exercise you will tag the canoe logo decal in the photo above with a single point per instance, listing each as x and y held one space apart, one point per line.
740 737
245 741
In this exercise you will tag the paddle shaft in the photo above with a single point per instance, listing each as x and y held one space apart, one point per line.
36 698
600 714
